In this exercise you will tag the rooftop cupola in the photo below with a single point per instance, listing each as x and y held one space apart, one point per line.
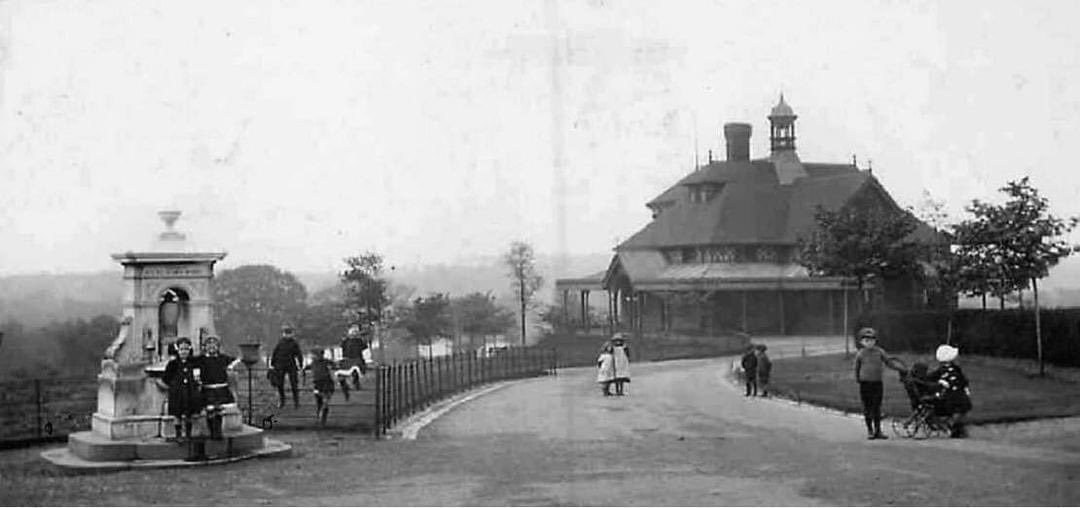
782 127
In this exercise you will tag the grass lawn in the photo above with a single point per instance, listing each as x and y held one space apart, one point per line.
1001 390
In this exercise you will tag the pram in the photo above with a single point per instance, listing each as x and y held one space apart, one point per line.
928 414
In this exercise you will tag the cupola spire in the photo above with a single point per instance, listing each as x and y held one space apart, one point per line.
782 127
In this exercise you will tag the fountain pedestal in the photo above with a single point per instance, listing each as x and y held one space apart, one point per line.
167 294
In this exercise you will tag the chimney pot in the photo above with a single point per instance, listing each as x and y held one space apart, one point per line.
737 136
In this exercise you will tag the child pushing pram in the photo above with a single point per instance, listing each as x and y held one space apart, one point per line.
939 399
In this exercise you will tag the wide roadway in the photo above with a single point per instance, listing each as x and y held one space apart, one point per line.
685 435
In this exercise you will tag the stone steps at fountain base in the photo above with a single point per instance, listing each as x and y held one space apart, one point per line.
94 447
68 462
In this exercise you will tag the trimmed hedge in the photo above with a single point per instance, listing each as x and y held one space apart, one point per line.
1004 333
581 350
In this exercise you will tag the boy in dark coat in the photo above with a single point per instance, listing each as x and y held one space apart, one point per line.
749 366
181 379
286 360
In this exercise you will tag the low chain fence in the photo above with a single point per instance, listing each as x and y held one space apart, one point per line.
402 389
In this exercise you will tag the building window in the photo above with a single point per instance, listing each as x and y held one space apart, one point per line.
721 255
702 193
689 255
767 254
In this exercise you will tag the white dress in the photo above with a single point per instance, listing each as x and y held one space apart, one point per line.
606 372
622 363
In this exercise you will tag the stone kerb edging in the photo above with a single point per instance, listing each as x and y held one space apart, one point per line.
413 424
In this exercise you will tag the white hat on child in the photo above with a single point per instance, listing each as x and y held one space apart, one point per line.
947 353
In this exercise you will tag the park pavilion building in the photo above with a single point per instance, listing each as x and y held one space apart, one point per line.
720 253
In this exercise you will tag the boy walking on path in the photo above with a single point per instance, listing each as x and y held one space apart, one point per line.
764 368
749 366
286 360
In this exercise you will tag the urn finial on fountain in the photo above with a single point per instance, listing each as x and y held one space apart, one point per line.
169 217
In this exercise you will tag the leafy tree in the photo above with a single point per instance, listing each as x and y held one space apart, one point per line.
949 267
477 314
365 288
981 271
520 260
252 301
323 323
29 353
1023 239
428 318
860 244
82 342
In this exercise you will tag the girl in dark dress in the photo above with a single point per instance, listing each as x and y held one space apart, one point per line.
955 394
182 381
215 388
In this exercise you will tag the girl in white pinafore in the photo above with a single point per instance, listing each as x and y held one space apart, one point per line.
606 368
621 353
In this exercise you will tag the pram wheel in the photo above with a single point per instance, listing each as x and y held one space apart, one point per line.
906 427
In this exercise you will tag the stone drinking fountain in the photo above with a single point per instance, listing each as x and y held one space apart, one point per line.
167 294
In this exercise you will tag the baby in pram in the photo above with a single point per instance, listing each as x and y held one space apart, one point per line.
920 388
941 397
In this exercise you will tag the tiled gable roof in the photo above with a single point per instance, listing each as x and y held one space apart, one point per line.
829 192
743 212
760 171
752 207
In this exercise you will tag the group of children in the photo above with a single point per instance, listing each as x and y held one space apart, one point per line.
614 365
198 384
324 371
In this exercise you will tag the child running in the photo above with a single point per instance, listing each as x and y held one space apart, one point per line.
323 380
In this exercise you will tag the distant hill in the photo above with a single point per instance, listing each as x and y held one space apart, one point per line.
36 299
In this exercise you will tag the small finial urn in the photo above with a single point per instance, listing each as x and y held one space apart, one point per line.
169 217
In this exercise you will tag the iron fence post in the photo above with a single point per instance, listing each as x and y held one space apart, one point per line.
378 398
425 380
397 392
37 400
410 388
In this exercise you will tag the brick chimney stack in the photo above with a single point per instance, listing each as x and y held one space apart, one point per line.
737 136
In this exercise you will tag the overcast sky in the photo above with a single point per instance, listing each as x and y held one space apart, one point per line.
297 133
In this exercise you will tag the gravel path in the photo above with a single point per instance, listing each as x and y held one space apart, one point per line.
683 436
